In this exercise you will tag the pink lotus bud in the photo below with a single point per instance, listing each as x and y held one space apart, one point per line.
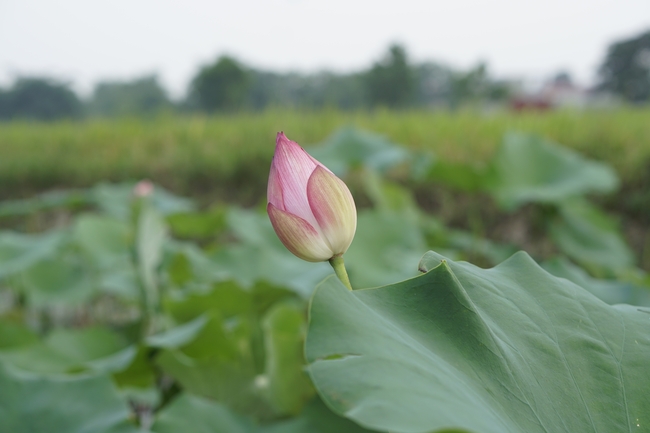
144 188
312 210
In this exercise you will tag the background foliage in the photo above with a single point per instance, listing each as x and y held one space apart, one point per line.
394 81
158 312
143 96
626 69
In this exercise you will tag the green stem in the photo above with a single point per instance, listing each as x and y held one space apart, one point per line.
339 268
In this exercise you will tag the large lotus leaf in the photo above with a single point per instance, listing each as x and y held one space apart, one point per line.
19 251
528 168
383 249
389 196
218 351
76 404
610 291
58 280
465 177
53 199
248 264
121 280
138 381
67 350
186 264
198 225
288 386
349 148
13 335
221 353
475 247
218 363
315 418
107 244
139 374
591 238
406 227
179 335
235 305
117 200
227 299
105 241
192 414
260 256
507 349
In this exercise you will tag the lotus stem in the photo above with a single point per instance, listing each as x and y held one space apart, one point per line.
339 268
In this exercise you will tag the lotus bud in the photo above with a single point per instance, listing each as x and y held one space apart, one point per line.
312 210
144 188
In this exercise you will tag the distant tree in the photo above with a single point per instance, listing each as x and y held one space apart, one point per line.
324 89
4 112
40 99
499 91
433 84
470 86
626 68
391 81
221 86
141 96
345 91
266 88
476 86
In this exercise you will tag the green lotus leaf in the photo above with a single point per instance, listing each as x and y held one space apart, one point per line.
507 349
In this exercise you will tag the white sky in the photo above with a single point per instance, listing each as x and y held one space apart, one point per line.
84 41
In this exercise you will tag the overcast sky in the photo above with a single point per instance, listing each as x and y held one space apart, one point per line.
84 41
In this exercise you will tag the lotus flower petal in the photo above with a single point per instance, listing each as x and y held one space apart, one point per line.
333 207
290 171
298 235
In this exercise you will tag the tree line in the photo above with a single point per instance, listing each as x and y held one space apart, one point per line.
227 85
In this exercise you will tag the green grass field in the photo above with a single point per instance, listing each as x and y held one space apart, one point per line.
196 154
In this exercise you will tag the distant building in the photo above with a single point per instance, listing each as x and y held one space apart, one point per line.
562 92
557 93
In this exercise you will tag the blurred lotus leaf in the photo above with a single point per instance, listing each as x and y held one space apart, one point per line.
528 168
350 148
